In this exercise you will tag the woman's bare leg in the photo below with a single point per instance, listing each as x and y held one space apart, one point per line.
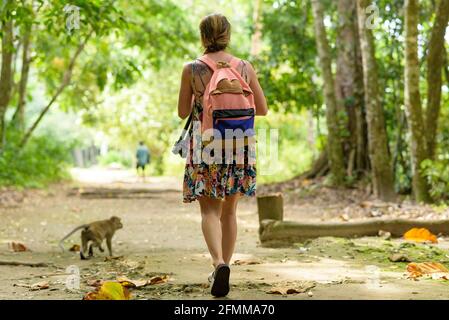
211 226
229 226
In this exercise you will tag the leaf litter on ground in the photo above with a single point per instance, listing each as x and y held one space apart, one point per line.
75 248
373 250
41 285
17 246
434 270
247 262
109 290
292 288
142 282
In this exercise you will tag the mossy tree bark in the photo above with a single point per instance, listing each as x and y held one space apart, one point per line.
413 106
435 62
334 145
5 76
382 172
349 88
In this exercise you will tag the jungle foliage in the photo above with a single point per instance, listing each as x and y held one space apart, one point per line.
370 101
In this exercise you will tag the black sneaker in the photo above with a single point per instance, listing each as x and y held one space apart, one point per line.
220 281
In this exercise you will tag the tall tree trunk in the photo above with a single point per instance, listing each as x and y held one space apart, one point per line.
349 85
398 160
382 173
64 83
362 156
257 35
446 67
435 60
412 99
5 77
335 150
19 115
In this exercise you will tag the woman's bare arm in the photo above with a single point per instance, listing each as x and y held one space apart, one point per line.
259 97
185 93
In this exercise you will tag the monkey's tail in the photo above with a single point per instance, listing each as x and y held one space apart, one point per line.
83 226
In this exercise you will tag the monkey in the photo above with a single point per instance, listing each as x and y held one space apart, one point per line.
94 233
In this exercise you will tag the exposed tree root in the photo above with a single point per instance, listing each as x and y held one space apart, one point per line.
320 168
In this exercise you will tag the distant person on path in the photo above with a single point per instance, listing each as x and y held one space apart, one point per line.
219 186
142 157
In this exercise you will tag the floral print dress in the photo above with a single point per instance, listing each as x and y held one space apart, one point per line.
215 180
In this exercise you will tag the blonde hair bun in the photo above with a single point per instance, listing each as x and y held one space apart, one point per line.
215 32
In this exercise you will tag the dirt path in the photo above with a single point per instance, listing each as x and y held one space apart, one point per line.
163 236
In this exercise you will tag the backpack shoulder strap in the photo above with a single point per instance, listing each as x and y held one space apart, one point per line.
209 62
235 62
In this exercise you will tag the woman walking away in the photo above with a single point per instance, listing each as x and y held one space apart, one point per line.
226 94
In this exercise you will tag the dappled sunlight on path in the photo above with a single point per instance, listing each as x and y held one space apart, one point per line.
122 177
161 235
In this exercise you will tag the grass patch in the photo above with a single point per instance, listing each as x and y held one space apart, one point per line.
374 251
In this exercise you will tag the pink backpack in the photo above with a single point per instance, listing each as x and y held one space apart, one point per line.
228 101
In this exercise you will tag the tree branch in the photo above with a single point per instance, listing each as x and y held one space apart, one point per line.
64 83
19 115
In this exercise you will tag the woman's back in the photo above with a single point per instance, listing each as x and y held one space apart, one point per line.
218 186
201 73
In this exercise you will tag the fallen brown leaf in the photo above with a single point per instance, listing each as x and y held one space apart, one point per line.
126 282
129 283
17 247
246 262
434 269
75 248
94 282
158 279
294 288
39 286
284 291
